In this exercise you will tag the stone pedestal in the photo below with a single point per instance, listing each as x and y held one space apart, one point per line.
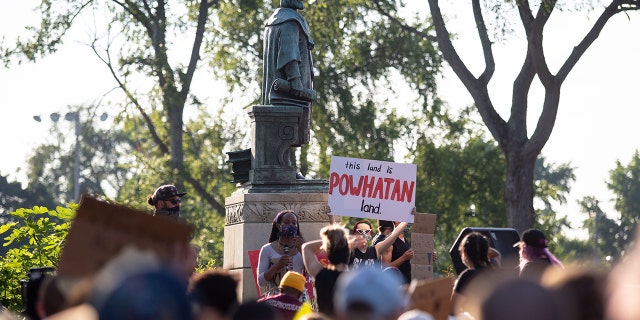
271 187
248 225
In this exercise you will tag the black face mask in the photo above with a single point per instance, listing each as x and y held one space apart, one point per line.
168 212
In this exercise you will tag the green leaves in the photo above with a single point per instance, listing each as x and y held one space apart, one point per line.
34 240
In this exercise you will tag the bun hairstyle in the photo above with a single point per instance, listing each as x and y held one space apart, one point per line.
476 248
150 200
335 243
274 225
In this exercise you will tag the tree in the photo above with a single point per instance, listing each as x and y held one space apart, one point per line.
463 172
624 182
606 235
519 149
146 31
103 154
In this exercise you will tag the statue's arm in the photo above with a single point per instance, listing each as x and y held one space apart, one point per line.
289 54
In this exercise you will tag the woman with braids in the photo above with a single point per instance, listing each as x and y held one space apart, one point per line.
335 242
281 254
474 251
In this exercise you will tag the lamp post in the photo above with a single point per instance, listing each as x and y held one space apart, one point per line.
75 118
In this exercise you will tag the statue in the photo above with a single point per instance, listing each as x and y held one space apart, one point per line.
288 68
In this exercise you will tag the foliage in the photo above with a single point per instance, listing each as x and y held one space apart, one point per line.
102 155
606 235
624 182
34 240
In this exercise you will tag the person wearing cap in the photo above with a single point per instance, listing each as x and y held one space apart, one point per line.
287 302
370 294
535 256
166 201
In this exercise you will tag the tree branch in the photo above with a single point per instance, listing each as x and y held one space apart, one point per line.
152 130
401 24
535 43
589 38
203 14
490 64
476 88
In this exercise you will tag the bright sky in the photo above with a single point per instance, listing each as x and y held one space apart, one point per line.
596 123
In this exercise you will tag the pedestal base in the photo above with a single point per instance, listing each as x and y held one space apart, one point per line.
248 224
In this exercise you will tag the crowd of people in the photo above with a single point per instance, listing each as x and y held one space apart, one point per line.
363 277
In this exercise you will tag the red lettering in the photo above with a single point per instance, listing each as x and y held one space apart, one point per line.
379 190
334 180
407 190
388 182
395 194
367 186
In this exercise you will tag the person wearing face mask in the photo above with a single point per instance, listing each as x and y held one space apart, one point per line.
166 201
368 256
281 254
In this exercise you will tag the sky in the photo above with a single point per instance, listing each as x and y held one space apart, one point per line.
595 127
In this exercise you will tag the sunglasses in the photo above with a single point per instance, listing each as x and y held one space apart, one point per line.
363 232
174 201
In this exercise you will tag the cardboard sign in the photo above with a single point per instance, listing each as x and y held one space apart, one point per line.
433 296
102 229
421 243
372 189
422 271
424 223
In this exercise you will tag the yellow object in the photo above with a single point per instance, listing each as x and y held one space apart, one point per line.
305 308
294 280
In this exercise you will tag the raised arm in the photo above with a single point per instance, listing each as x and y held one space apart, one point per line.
382 246
309 257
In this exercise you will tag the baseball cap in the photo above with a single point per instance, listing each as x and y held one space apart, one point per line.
534 238
294 280
167 191
381 291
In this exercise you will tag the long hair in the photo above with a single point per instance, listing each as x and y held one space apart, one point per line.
476 249
335 243
274 228
531 253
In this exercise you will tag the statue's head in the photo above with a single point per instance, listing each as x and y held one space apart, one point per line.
293 4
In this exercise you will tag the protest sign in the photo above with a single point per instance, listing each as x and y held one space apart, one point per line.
372 189
433 297
100 230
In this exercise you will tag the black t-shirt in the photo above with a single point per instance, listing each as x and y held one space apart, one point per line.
533 270
465 278
366 259
325 286
399 248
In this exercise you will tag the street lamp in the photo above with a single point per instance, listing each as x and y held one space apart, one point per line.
75 118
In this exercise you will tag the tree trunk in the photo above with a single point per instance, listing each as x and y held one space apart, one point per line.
518 190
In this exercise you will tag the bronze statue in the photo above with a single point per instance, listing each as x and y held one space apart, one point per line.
288 68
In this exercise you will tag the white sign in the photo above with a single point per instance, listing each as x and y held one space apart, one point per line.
372 189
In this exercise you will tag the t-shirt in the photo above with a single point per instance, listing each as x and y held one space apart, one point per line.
325 285
533 270
465 278
286 305
268 257
399 248
367 259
